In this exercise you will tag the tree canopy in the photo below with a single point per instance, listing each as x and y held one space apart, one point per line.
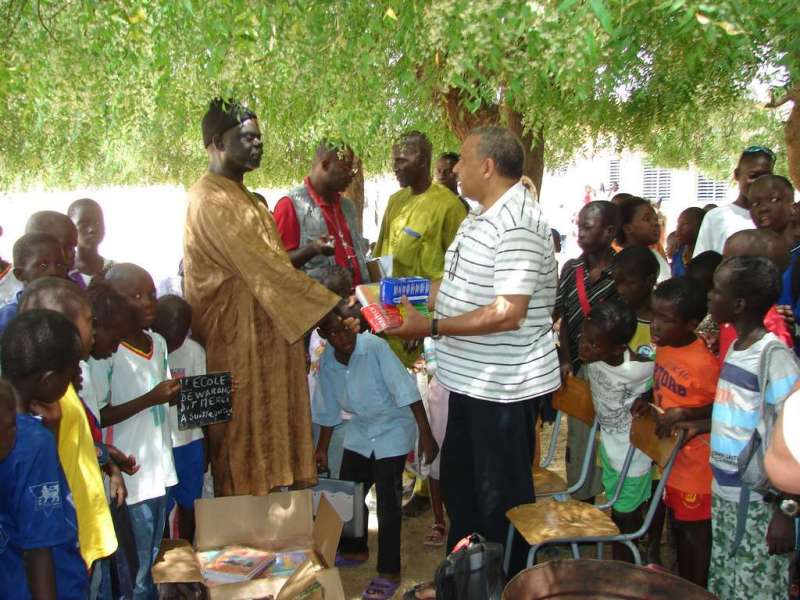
98 91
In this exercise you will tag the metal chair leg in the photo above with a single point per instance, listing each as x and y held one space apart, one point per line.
509 543
637 556
532 555
576 553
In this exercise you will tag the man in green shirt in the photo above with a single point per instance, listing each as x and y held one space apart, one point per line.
420 222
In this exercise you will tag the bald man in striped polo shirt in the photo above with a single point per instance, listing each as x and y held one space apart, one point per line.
494 344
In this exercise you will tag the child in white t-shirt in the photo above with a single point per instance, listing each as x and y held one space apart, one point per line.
186 358
134 415
113 320
617 377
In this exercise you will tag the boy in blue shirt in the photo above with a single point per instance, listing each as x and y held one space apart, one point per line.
360 374
36 255
39 555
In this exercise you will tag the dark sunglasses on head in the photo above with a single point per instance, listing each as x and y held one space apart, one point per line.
759 150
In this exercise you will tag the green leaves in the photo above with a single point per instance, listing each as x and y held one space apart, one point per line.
602 14
113 92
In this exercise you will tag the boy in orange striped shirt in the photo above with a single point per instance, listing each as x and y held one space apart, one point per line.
684 384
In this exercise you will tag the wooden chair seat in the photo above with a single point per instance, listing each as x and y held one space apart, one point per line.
575 399
543 522
546 481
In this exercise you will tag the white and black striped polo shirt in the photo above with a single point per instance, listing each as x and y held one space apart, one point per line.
507 250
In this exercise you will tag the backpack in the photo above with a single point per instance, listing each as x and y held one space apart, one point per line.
473 572
751 469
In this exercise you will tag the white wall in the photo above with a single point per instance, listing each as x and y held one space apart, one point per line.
145 224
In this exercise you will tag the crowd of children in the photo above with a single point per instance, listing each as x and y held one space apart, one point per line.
708 351
91 355
92 461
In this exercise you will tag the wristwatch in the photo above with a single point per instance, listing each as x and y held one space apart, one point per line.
435 329
790 507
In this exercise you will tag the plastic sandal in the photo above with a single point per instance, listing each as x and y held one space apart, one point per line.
380 588
342 561
428 589
436 536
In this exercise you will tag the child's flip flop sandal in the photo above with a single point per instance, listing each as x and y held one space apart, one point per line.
344 562
436 536
380 588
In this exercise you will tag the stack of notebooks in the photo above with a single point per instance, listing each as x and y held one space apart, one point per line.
380 302
234 564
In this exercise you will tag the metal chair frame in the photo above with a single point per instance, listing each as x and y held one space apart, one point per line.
625 538
585 465
551 448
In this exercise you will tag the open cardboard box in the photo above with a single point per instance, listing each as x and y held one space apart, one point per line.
280 521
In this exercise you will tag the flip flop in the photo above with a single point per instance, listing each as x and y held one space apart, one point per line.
380 588
437 535
413 593
342 561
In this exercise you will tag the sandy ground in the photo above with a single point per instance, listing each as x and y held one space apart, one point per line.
420 561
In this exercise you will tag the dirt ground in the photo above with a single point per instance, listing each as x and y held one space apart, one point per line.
420 561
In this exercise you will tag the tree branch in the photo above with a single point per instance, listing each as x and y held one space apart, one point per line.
41 20
15 21
793 95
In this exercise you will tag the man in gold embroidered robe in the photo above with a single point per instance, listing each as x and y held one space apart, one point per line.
251 309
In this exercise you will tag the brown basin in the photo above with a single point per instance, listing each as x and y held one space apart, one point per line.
599 580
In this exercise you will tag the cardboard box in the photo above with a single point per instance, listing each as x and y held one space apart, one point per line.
281 521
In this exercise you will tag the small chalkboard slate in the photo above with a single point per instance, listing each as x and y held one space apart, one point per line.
205 399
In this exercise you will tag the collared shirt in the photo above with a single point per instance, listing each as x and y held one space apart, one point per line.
506 250
37 511
289 228
417 229
376 389
568 304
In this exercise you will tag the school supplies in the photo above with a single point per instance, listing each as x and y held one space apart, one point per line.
282 522
234 563
381 316
286 563
416 289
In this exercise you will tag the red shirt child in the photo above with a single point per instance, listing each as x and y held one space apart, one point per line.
773 322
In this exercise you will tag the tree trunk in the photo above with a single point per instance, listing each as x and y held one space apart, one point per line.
533 142
355 192
462 121
791 130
